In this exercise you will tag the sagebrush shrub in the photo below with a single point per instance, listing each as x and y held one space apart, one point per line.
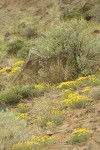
29 33
14 46
73 46
10 96
15 94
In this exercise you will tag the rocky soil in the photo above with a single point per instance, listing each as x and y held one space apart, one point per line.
79 118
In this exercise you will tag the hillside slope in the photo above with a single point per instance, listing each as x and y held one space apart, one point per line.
44 119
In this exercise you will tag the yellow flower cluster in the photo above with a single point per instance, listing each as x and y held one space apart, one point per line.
14 71
15 68
45 138
80 135
81 131
55 111
78 82
24 145
39 118
52 118
66 84
50 123
85 89
82 78
21 116
87 78
74 98
21 105
5 69
32 144
18 63
39 86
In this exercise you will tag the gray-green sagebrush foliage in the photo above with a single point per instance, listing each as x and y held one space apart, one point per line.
72 40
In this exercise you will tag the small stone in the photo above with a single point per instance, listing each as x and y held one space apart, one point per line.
98 129
49 133
22 25
97 139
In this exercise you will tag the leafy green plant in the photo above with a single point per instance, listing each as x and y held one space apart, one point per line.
23 53
29 33
27 91
23 108
77 15
96 82
80 135
40 89
14 46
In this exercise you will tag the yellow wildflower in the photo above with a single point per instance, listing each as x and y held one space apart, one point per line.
21 116
14 71
39 118
81 131
49 123
39 86
55 111
44 138
82 78
87 78
86 89
5 69
21 105
66 84
74 98
23 145
18 63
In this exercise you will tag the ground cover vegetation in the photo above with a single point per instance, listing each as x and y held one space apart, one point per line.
44 115
50 115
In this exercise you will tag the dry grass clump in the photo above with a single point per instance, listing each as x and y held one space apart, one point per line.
50 119
94 93
12 130
47 114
